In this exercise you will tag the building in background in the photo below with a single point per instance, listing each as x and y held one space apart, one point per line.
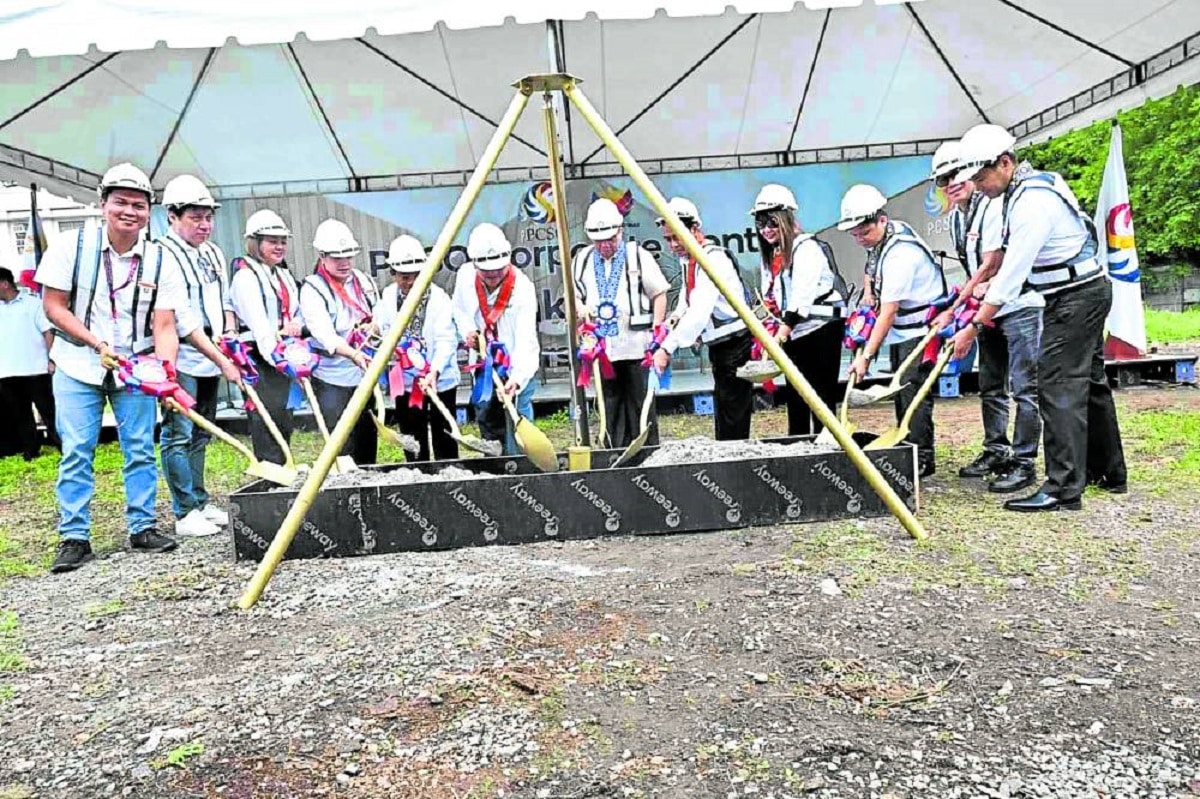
58 214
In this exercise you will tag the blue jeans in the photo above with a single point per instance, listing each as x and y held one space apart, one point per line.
1008 356
496 425
183 446
80 412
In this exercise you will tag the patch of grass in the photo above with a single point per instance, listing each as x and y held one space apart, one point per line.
12 655
1169 327
1160 449
109 607
7 692
180 755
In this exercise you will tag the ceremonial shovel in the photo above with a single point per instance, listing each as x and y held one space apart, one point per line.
895 435
343 463
471 442
866 396
826 438
636 445
532 441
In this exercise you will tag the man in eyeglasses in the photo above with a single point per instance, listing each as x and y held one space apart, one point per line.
1008 350
190 209
1051 245
621 288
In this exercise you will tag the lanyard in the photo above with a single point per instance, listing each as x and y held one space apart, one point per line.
113 289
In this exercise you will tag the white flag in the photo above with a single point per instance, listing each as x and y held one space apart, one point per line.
1114 222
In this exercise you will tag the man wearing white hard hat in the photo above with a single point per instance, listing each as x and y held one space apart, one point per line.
620 287
431 344
190 213
1008 351
109 293
703 313
335 300
495 303
1051 245
907 279
803 290
265 299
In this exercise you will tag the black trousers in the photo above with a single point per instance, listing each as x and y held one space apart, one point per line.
363 443
733 397
272 389
426 422
624 394
21 394
920 429
818 356
1080 433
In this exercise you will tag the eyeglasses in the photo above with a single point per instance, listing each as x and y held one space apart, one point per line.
942 181
765 222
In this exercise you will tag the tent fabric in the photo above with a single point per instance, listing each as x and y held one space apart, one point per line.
258 99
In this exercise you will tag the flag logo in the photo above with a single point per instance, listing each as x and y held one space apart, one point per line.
1119 230
623 200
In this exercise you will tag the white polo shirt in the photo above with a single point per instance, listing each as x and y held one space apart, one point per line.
22 323
516 328
207 286
57 270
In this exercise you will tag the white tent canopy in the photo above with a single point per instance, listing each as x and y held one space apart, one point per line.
303 96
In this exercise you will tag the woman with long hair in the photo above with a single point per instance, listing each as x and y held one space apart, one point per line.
803 291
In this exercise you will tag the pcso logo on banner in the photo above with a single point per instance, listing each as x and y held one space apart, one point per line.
538 203
936 202
1122 259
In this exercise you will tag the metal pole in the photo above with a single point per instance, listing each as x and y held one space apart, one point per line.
358 401
797 381
559 188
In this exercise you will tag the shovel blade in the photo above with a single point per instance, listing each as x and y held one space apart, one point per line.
490 448
865 396
536 445
634 448
889 438
272 472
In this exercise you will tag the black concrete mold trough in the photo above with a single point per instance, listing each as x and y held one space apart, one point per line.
514 503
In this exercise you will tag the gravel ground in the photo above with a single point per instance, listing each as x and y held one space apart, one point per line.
836 660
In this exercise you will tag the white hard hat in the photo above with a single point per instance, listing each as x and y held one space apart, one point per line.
947 159
684 209
488 247
773 197
334 239
406 254
266 223
860 203
980 146
186 190
603 220
125 176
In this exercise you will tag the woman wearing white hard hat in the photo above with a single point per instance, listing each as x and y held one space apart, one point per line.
494 302
431 344
620 287
803 290
336 300
907 280
265 298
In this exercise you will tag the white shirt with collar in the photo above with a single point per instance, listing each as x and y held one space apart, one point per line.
330 331
906 275
57 271
695 313
517 327
987 231
437 329
811 276
1042 230
626 344
255 299
207 284
22 323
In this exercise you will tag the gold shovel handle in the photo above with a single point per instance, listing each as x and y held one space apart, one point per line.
272 428
927 386
217 432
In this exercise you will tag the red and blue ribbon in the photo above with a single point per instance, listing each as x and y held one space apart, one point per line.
656 341
592 349
497 358
859 325
154 378
410 362
294 357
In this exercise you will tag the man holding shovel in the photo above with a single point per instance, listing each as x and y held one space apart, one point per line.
1008 350
496 304
108 293
190 212
907 280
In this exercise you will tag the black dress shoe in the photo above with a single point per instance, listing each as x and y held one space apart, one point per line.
926 467
1022 475
985 464
151 541
1041 501
1111 486
72 553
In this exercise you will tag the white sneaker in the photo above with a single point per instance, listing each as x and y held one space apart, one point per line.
214 515
194 525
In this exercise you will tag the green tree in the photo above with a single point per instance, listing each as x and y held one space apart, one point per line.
1162 163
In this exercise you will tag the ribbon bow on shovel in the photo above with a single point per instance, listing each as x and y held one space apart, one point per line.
594 364
157 379
239 354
